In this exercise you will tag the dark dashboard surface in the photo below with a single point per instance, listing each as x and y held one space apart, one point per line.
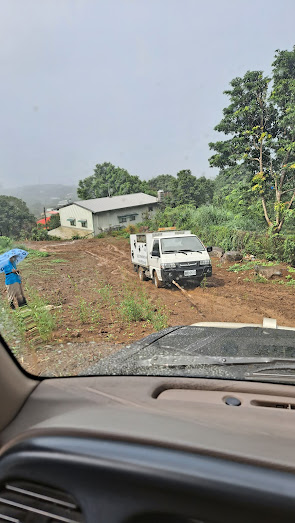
115 481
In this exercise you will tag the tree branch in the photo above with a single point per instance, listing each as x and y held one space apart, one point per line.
288 190
291 201
269 223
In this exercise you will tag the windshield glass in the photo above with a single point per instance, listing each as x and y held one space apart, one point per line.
181 243
131 131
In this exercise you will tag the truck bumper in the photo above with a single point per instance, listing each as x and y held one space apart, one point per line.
179 274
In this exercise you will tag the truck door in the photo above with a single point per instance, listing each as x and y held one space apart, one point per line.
155 258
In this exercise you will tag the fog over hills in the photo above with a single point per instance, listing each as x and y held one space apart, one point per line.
39 196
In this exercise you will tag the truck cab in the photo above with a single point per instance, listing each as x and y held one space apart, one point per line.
170 255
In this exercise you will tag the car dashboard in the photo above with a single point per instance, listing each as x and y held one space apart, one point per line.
143 449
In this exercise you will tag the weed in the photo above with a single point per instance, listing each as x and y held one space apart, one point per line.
238 267
291 269
37 254
290 283
204 283
137 307
58 260
247 279
83 310
260 279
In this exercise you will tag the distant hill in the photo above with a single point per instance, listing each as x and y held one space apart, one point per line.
39 196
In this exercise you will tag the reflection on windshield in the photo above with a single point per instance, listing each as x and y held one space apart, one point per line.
186 243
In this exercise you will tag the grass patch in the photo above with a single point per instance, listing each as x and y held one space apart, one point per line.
239 267
37 254
260 279
58 260
134 308
45 320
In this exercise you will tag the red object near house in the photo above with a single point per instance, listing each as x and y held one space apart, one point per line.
42 221
48 216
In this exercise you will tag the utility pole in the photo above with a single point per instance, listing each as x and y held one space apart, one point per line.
44 212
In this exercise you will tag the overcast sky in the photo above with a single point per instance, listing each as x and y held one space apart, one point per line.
134 82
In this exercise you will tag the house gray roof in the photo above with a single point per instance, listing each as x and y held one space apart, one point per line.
112 203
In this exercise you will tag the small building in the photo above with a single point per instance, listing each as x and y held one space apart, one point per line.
90 217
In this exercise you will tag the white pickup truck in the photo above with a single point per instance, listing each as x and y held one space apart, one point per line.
169 255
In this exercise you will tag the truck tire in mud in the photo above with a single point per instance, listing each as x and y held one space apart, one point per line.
157 283
141 274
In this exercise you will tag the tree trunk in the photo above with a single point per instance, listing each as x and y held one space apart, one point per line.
269 222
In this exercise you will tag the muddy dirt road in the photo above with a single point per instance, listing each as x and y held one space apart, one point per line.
92 287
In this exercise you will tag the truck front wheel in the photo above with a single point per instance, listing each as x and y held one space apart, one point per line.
157 282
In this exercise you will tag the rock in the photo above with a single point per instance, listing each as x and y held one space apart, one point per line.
217 252
232 256
267 272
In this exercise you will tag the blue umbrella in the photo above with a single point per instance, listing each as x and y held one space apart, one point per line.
19 256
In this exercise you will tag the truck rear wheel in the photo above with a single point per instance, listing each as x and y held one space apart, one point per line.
141 274
157 282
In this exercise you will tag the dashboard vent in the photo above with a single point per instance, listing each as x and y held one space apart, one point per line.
24 502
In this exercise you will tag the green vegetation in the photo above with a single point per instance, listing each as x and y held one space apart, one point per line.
54 222
239 267
110 180
5 244
259 154
44 319
15 218
137 307
221 227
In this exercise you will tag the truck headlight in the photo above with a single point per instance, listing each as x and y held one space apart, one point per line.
168 265
205 262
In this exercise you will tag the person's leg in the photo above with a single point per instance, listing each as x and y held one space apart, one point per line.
21 300
10 296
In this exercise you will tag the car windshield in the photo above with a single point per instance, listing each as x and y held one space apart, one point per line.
147 188
181 243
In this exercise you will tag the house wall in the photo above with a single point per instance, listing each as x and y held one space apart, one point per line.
106 220
74 211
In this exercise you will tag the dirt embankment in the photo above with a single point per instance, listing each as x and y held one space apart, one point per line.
88 280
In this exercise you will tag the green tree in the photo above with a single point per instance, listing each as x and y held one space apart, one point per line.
163 182
187 189
54 222
261 130
110 180
15 217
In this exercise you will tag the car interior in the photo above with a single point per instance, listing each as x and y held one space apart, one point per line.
144 449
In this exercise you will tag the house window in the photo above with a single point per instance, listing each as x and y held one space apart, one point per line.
132 217
122 219
83 223
72 222
151 208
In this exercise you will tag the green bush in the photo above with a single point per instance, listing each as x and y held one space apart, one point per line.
5 244
221 227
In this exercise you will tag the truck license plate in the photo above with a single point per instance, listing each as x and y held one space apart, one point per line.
190 273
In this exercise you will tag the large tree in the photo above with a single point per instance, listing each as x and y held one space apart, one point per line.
260 124
15 217
187 189
108 180
163 182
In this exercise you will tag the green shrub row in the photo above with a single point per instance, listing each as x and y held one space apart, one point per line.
271 247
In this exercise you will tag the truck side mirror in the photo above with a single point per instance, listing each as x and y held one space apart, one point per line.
209 249
155 253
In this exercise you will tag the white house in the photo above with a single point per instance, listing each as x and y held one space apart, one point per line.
90 217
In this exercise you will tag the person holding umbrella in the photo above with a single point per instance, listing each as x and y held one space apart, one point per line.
13 283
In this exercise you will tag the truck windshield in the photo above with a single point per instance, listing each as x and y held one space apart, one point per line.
181 243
